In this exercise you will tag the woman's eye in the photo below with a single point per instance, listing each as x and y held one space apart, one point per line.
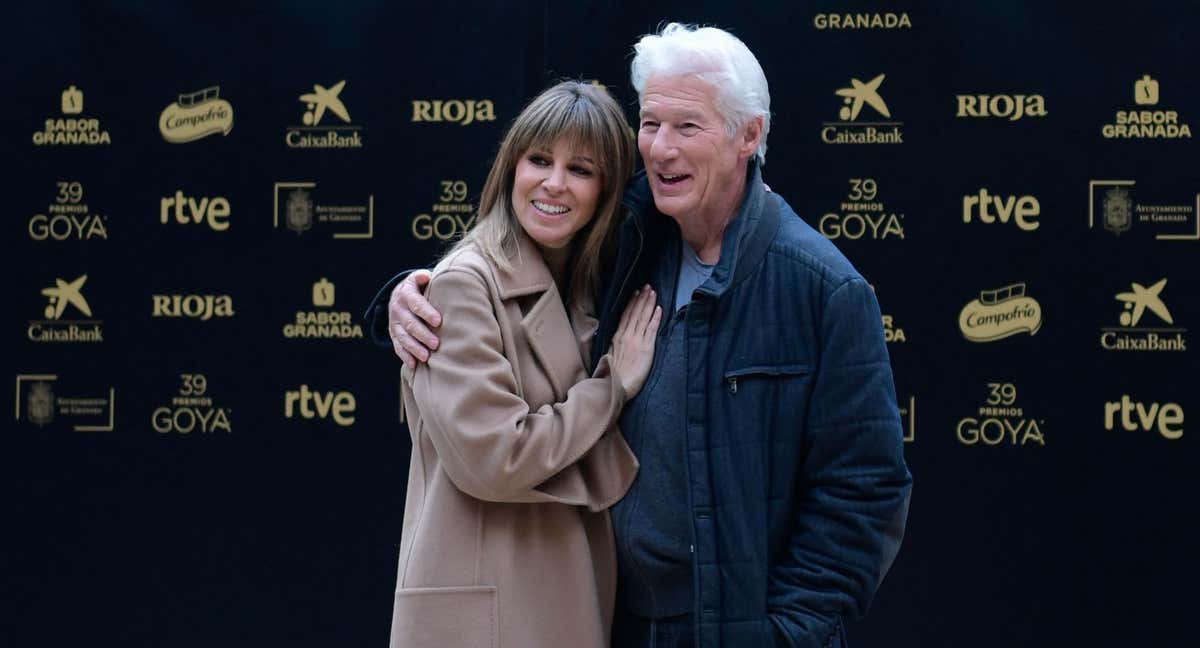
583 171
538 160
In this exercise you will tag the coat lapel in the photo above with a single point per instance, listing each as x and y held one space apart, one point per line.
548 331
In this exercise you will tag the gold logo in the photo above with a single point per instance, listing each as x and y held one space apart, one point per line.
71 131
989 208
43 407
196 115
1166 418
323 324
1000 421
851 131
309 404
201 307
186 211
1129 336
302 212
908 416
449 218
1143 123
456 111
1000 313
54 328
862 21
68 217
862 215
312 134
1120 212
1002 106
192 410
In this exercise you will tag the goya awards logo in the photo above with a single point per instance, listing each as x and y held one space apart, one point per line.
1136 416
1011 107
312 404
990 208
850 130
72 130
323 322
195 115
1113 205
1146 123
297 207
450 217
192 409
1143 308
1000 313
463 112
326 121
1000 421
45 401
68 217
862 20
65 298
863 215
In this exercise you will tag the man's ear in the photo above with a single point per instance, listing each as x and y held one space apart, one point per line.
749 138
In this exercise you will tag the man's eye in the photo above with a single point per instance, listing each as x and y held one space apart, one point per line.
649 125
690 126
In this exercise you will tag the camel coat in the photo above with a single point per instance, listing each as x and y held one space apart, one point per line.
507 542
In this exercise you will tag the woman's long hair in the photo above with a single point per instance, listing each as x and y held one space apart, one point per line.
589 119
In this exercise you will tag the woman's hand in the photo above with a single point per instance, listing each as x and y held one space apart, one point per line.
633 345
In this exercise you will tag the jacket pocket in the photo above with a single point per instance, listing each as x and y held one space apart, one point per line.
734 377
434 617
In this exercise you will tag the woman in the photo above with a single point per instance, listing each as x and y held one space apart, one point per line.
507 541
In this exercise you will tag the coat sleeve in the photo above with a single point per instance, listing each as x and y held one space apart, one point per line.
854 487
491 445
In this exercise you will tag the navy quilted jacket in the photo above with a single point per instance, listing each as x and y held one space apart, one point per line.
798 487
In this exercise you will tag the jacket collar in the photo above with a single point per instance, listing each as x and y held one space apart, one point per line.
746 237
529 273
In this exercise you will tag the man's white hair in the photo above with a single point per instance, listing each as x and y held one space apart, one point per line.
715 56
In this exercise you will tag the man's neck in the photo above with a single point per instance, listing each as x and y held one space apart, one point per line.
705 231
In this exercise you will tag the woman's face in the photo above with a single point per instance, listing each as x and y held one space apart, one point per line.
555 192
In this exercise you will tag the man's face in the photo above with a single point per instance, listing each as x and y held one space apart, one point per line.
691 161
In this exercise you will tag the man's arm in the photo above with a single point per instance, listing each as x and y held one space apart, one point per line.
401 317
854 486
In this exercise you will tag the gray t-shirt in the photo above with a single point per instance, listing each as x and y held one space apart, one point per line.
692 273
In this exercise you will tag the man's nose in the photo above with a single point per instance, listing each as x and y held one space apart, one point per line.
663 145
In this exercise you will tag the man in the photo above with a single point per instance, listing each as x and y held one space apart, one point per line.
773 491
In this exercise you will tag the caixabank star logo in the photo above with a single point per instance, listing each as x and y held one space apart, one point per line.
1145 324
850 129
65 301
325 121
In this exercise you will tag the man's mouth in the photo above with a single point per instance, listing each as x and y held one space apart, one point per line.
553 210
672 178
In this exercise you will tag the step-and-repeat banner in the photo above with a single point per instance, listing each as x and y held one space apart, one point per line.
204 449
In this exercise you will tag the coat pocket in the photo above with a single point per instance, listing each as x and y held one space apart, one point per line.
735 376
434 617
